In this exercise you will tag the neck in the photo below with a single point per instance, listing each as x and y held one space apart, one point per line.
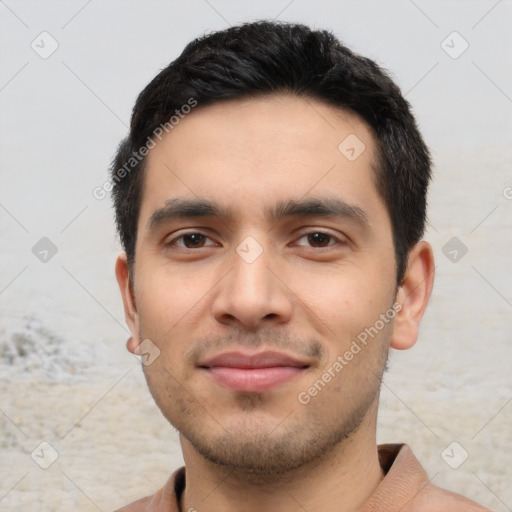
341 481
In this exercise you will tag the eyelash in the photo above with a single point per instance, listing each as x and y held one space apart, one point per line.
172 242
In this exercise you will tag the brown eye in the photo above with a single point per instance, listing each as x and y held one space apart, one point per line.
193 240
318 239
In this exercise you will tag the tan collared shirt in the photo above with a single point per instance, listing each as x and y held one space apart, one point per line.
405 488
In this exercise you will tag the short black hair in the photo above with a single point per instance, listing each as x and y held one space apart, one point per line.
265 57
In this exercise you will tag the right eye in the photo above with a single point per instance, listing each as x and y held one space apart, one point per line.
191 240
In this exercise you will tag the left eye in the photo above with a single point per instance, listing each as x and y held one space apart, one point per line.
318 239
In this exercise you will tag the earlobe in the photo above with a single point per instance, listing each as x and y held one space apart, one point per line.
131 345
413 296
127 294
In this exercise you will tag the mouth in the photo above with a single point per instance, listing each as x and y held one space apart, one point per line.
253 373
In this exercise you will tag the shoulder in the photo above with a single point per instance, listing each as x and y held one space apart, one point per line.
141 505
165 499
435 499
407 482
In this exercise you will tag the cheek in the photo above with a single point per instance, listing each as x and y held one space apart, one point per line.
344 301
167 296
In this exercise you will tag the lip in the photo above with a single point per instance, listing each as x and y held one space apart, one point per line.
253 373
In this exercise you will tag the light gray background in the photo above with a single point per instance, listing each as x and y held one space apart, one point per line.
65 376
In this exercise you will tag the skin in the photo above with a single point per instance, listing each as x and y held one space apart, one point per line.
268 451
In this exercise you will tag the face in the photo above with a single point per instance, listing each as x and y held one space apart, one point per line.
264 253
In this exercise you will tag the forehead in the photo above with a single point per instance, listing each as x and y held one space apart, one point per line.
249 154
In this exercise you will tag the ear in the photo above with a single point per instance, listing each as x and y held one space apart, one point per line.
128 296
413 296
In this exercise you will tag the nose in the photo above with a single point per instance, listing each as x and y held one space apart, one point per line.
253 294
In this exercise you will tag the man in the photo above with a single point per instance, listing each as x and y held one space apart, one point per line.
271 200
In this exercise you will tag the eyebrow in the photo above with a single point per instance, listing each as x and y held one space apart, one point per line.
328 207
